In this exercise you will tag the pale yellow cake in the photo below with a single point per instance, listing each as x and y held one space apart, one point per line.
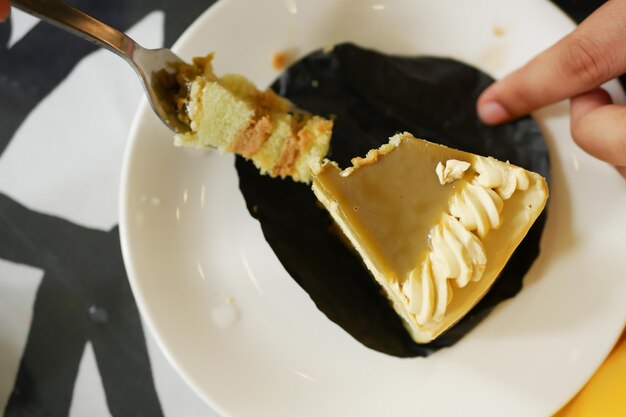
434 225
229 113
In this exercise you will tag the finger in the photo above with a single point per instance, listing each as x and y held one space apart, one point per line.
622 170
5 8
599 126
592 54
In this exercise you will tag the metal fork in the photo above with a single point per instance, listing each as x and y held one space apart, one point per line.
146 62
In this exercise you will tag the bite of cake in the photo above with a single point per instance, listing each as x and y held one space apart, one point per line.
434 225
229 113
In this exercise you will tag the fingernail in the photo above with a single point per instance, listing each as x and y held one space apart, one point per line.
492 113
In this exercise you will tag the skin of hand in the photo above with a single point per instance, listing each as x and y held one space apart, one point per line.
5 8
573 68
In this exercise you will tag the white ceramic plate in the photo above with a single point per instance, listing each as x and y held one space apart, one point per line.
251 342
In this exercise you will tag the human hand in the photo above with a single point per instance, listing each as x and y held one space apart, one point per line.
5 8
573 68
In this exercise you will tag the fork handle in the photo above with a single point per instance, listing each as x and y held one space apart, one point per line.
66 17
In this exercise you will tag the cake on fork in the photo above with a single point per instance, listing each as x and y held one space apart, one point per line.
229 113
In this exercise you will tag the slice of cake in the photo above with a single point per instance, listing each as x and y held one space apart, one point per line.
433 224
229 113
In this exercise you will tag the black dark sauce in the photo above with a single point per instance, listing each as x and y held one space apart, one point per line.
374 96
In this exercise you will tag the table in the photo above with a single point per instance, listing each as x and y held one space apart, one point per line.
72 340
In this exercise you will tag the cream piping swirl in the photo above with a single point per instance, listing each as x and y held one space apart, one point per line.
457 251
477 208
504 178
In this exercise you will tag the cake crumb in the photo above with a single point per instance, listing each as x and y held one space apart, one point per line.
279 61
498 31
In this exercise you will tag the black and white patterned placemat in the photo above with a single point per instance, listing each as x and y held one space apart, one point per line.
71 339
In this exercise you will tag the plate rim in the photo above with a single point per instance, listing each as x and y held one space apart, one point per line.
134 282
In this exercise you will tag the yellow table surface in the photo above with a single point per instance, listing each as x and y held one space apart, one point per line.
605 393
